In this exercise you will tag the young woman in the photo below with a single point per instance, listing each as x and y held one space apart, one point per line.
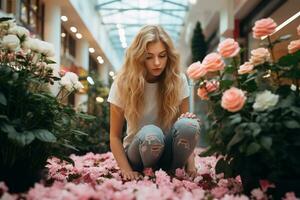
151 94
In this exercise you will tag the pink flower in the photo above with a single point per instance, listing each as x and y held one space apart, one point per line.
228 48
180 173
265 185
290 196
298 30
212 85
213 62
196 70
246 68
294 46
218 192
259 56
148 171
202 93
263 27
233 99
258 194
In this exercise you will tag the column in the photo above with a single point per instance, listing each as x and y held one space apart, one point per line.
52 31
226 19
82 60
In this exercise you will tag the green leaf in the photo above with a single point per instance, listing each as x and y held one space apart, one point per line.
223 167
266 142
255 127
292 124
85 116
3 19
252 148
209 152
79 132
224 84
3 100
229 70
238 136
44 135
48 61
295 110
23 138
7 128
235 119
288 60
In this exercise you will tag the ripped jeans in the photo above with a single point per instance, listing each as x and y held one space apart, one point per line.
151 148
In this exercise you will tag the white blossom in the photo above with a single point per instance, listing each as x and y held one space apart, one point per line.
265 100
10 42
70 82
19 31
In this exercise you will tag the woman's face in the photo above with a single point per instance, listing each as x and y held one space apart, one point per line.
156 60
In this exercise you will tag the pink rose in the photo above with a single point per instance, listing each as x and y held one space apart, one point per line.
148 172
212 85
213 62
202 93
229 48
246 68
298 30
233 99
263 27
259 56
196 70
265 185
219 192
290 196
294 46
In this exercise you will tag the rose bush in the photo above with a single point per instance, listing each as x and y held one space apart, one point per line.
34 124
254 110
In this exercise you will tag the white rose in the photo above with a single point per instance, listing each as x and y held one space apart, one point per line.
78 85
66 83
47 49
265 100
7 24
10 42
19 31
70 81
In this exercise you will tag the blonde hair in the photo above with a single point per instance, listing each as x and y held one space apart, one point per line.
131 79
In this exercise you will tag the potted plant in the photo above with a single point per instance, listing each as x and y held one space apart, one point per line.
254 111
34 124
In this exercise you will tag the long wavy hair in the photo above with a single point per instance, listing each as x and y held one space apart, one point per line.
131 79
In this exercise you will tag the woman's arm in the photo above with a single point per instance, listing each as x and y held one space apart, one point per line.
116 124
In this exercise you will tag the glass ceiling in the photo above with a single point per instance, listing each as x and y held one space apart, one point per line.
123 18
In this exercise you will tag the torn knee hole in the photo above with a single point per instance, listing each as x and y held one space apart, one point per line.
184 142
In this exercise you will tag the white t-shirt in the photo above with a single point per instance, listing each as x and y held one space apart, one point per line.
151 106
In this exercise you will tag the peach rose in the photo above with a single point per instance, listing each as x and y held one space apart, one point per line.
212 85
259 56
246 68
233 99
298 30
202 93
263 27
196 70
294 46
213 62
229 48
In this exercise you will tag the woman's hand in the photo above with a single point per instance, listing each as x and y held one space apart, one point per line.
190 115
131 175
191 170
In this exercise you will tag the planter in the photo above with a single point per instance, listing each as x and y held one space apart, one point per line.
21 167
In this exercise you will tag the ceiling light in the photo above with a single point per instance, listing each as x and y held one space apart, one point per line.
64 18
193 1
99 99
90 80
91 50
73 29
78 35
111 73
63 35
